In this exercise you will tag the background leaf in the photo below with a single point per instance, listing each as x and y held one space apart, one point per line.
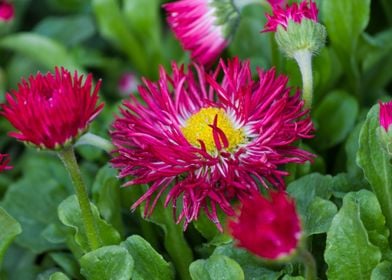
10 228
216 267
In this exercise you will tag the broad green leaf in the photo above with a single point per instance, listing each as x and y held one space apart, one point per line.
58 276
319 216
106 195
62 29
349 252
252 266
9 229
216 267
382 271
345 21
70 215
148 263
67 262
19 264
288 277
335 117
33 203
107 263
375 163
112 26
43 50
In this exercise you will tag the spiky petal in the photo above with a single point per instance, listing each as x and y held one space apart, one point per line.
246 130
269 228
51 111
4 162
385 115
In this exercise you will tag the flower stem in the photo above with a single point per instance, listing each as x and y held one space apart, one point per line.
67 156
96 141
304 60
310 264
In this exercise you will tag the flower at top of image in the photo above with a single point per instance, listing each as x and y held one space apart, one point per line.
281 15
4 161
6 11
203 27
274 3
385 115
51 111
208 138
268 227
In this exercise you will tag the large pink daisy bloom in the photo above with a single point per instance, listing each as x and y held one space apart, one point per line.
50 111
282 15
203 27
207 140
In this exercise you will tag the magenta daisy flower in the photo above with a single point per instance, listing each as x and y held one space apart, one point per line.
4 161
50 111
282 15
274 3
6 11
203 27
385 115
205 140
269 228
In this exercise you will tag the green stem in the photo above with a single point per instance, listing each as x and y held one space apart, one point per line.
310 264
67 156
304 60
96 141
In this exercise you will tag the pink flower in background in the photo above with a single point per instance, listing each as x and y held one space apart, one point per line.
274 3
200 28
4 161
385 115
209 140
281 15
49 111
6 11
128 83
269 228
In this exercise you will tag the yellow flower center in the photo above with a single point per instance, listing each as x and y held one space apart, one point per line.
199 127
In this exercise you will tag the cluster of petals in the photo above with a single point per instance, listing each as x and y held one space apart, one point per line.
268 227
4 162
6 11
385 114
194 23
152 149
281 15
49 111
274 3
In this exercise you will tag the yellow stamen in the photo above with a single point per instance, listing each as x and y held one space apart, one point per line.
197 128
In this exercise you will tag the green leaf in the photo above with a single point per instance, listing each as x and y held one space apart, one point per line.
19 264
216 267
33 203
345 33
375 163
43 50
112 26
106 195
10 228
67 262
382 271
319 216
335 117
148 263
70 215
252 266
349 252
107 263
58 276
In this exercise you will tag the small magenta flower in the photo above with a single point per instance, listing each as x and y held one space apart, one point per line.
385 115
207 139
128 83
51 111
269 228
6 11
4 162
203 27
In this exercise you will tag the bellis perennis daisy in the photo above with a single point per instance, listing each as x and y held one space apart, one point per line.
51 111
269 228
206 140
204 27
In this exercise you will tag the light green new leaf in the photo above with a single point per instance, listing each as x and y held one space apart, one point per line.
349 252
107 263
148 263
70 215
9 229
216 267
58 276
